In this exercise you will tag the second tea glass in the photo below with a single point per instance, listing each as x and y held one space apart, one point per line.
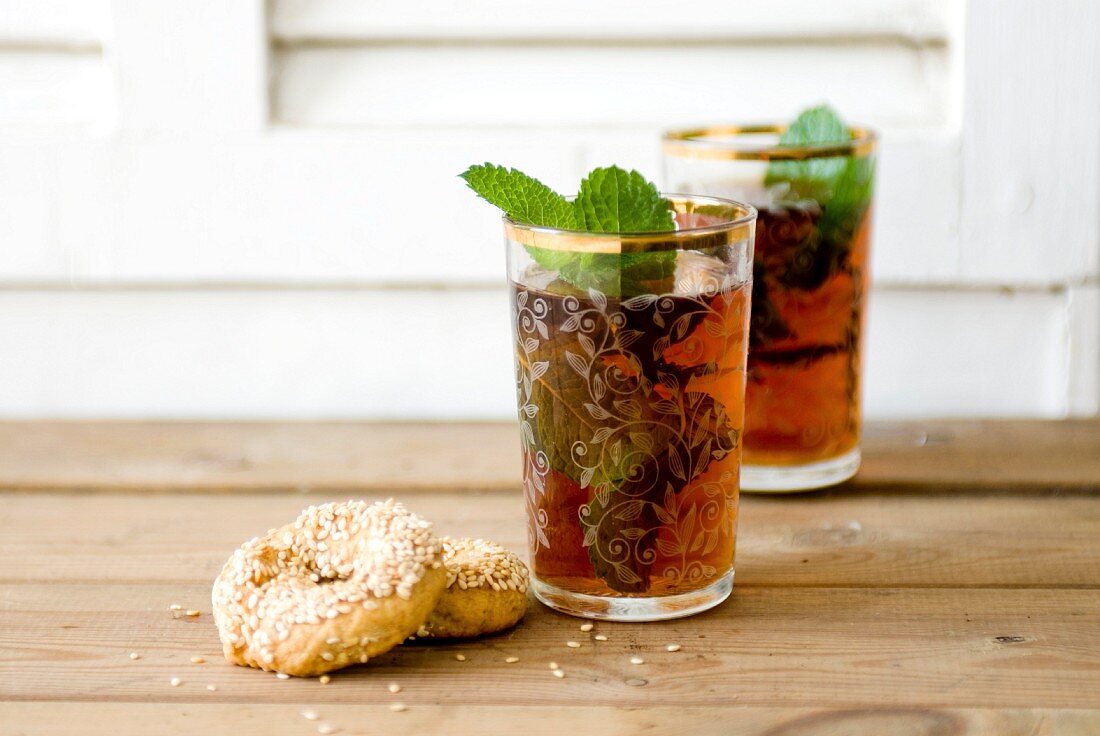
810 278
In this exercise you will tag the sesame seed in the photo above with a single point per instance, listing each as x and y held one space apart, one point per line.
600 637
573 644
460 657
398 707
211 688
637 660
135 655
282 675
477 563
673 647
394 688
324 728
309 715
193 612
175 682
558 674
586 627
325 679
327 656
198 660
553 665
511 660
175 607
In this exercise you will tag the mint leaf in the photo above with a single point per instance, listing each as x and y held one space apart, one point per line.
816 125
813 178
610 200
522 198
613 200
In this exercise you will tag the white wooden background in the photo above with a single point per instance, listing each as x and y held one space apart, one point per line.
236 209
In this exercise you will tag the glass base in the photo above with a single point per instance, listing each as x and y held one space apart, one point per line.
793 478
657 608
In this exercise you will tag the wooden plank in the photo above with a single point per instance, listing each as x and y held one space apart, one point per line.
52 88
1030 206
58 24
190 65
789 647
839 540
350 20
106 719
184 719
292 206
431 83
371 458
446 354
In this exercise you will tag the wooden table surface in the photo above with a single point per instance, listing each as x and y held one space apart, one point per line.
951 588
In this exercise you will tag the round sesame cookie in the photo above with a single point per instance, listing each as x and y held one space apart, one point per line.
486 590
343 583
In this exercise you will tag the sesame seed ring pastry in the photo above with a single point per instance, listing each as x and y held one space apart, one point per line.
486 590
345 582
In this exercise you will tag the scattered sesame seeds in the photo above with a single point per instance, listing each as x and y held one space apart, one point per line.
673 647
586 628
398 707
460 657
135 655
198 660
309 715
212 688
573 644
325 679
600 637
175 682
558 674
394 688
511 660
637 660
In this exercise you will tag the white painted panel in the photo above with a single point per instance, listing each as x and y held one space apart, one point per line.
1084 350
355 19
339 207
43 87
59 23
1031 141
625 84
190 64
413 354
256 354
966 353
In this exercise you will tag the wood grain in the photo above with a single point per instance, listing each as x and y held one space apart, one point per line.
890 539
954 588
778 647
184 719
1034 456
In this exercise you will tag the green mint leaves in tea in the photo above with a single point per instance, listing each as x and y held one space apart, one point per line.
610 200
630 383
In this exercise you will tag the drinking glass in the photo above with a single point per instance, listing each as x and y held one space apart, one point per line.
630 377
810 279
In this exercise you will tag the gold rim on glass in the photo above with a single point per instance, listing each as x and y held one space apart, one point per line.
706 143
737 225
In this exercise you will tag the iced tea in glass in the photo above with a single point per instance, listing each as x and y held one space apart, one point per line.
810 278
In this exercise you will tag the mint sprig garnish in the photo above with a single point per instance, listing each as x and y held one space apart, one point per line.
610 200
522 197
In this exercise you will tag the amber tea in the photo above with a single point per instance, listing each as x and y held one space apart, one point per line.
631 416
